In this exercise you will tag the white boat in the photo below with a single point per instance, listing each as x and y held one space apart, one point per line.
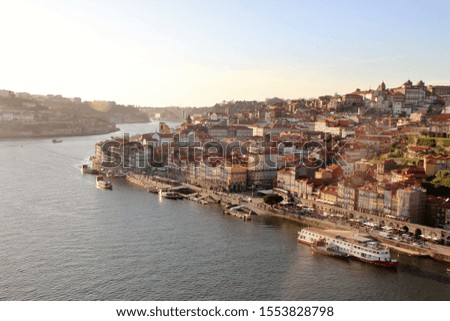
361 248
101 183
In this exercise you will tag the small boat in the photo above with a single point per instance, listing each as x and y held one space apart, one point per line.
101 183
171 195
330 250
55 141
85 169
153 190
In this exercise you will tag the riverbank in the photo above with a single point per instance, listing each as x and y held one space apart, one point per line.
146 182
436 252
257 206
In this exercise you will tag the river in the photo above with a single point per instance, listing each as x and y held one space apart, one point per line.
63 239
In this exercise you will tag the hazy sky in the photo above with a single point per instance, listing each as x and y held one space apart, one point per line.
197 53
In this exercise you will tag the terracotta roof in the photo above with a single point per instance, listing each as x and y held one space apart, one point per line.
431 159
413 171
165 135
331 189
441 117
334 167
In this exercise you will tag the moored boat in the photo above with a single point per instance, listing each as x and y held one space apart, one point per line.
171 195
85 169
360 248
100 182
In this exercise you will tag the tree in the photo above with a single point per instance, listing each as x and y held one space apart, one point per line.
273 199
442 178
426 141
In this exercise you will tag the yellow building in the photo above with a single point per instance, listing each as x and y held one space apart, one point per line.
328 194
234 177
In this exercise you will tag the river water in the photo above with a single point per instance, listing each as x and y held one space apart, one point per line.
63 239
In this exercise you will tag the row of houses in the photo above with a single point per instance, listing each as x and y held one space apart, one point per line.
400 200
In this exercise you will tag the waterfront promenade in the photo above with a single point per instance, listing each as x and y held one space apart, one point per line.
257 205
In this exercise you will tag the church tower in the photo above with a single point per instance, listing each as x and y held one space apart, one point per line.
382 87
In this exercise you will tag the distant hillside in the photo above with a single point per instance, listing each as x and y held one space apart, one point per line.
26 115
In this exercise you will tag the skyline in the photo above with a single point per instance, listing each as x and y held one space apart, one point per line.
199 53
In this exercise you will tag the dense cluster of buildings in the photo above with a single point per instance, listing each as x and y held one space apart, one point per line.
402 100
355 151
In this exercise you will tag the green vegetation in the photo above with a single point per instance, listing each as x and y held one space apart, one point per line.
273 199
412 140
438 146
444 142
442 178
409 161
415 140
395 153
376 159
406 161
426 141
398 151
441 151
